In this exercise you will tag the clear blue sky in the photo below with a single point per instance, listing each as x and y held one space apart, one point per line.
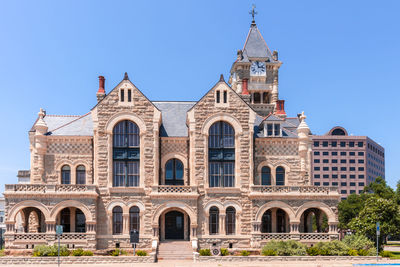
340 60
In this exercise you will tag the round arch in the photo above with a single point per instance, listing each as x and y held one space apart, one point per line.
174 205
339 128
222 117
275 204
317 205
213 203
136 203
235 204
71 203
28 204
115 203
125 116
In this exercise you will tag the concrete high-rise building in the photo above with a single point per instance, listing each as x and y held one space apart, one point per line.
349 162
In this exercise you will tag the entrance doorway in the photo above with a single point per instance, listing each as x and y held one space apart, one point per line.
174 225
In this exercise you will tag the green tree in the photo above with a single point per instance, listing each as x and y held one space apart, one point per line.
377 209
380 188
350 208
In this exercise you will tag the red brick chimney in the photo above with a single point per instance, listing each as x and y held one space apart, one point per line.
101 93
280 108
245 91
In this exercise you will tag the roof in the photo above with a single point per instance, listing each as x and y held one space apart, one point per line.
255 46
174 117
69 125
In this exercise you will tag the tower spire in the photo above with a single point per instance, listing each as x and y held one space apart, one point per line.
253 13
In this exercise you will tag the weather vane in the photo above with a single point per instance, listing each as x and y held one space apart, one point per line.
253 12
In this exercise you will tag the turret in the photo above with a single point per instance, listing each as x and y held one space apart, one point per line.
303 132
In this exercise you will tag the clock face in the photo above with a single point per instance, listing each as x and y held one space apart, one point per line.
257 68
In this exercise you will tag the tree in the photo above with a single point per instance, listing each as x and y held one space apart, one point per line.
380 188
377 209
350 208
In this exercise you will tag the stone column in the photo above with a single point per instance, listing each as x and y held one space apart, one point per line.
256 227
72 219
185 227
222 224
273 221
125 224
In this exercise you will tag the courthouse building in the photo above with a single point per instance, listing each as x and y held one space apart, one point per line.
229 170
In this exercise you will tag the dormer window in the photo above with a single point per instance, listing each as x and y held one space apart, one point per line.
272 129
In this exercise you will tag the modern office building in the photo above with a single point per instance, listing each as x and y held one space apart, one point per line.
349 162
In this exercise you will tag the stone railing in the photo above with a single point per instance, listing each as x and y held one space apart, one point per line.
174 189
323 190
30 237
296 236
49 189
185 191
73 236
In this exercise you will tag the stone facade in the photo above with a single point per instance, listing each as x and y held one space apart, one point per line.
263 190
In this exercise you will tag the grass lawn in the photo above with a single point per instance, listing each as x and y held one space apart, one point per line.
396 255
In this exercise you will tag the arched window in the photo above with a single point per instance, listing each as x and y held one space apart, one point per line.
126 154
80 175
65 220
266 175
230 221
80 221
134 218
174 172
221 152
280 176
65 175
214 220
265 98
117 220
266 222
257 98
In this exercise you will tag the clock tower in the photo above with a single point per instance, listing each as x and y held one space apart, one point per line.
254 74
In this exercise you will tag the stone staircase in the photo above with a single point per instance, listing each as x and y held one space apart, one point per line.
175 250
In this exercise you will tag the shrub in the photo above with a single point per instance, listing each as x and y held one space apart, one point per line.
244 253
352 252
205 252
77 252
269 252
313 251
45 251
285 248
2 253
360 242
117 252
87 253
224 252
332 248
141 253
386 254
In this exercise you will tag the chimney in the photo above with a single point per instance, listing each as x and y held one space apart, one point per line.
244 87
245 93
280 108
101 93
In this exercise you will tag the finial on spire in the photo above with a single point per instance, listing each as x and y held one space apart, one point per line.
126 76
41 113
302 116
221 78
253 12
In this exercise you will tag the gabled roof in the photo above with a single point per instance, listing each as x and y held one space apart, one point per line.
69 125
174 117
255 46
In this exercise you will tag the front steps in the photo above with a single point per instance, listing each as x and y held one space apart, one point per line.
175 250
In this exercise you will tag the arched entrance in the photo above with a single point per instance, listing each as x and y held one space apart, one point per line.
274 220
72 219
313 220
174 225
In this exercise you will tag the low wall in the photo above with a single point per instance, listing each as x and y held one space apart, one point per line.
78 260
199 258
